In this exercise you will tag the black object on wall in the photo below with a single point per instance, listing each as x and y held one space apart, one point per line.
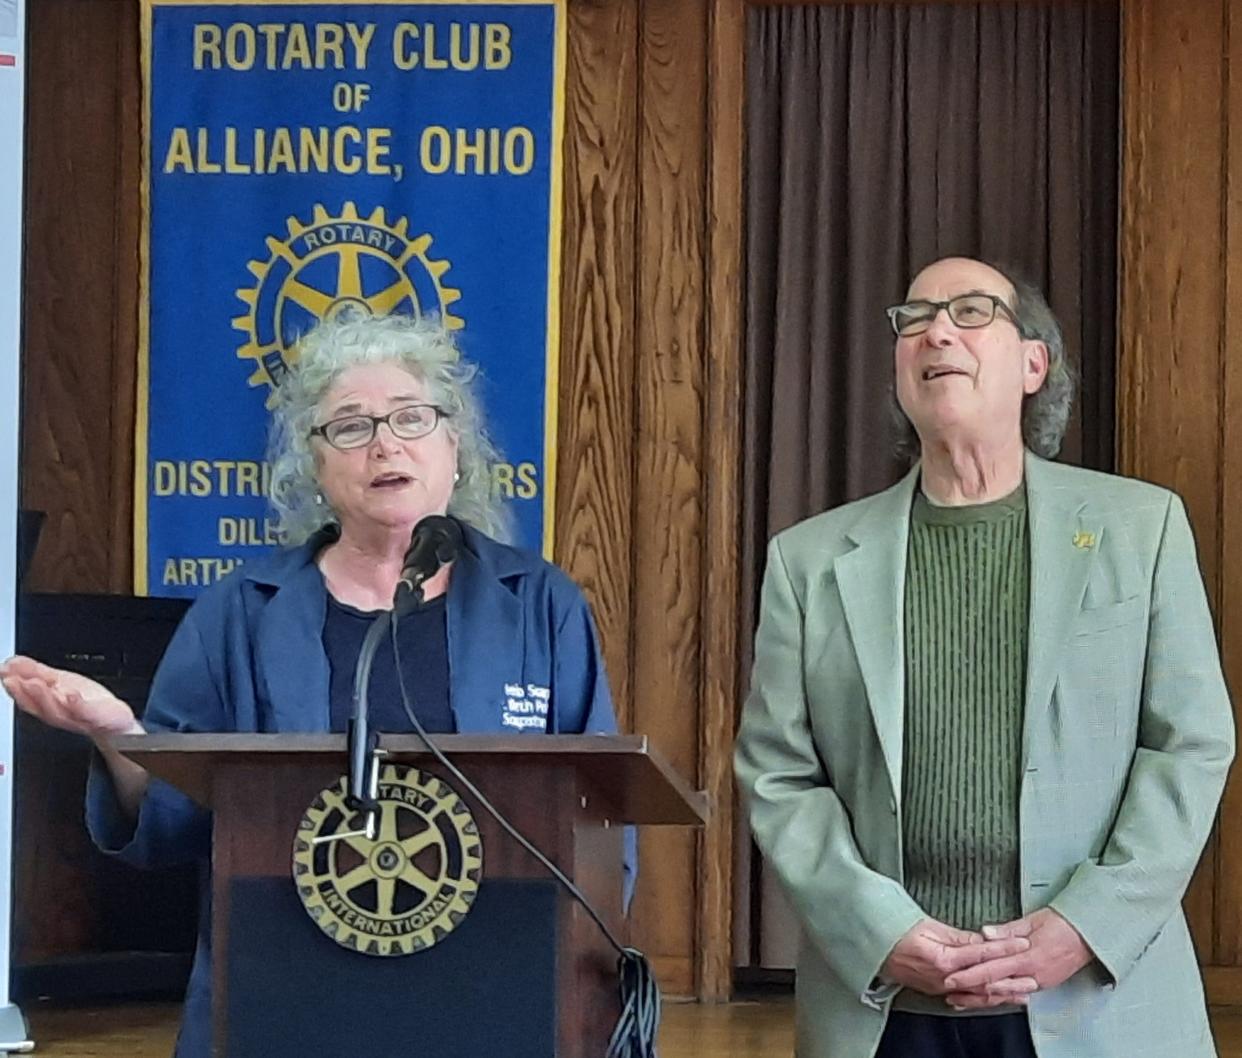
134 931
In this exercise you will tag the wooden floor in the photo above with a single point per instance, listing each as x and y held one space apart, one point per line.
738 1030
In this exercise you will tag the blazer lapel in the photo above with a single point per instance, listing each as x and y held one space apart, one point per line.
871 580
1064 543
486 641
290 663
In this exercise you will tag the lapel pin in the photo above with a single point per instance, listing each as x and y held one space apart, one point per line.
1084 541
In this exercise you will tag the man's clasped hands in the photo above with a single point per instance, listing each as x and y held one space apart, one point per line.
998 966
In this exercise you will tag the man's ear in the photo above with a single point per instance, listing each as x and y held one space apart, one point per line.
1034 366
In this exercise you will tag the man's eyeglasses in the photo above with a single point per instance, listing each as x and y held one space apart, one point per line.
356 431
967 311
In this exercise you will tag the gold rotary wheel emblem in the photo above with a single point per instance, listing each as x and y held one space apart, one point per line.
405 889
348 262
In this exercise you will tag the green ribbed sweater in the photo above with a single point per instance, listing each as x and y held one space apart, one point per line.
966 597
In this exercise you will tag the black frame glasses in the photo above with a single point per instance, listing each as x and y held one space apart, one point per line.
965 310
332 427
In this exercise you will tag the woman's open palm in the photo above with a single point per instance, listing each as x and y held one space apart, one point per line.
66 700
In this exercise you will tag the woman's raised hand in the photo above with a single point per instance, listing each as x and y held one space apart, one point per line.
66 699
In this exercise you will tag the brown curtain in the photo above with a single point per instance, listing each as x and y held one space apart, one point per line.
880 137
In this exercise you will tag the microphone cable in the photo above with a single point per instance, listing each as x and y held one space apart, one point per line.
638 1025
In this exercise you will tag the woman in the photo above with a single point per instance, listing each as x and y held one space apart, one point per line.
374 429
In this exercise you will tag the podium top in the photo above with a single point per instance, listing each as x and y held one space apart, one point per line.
636 778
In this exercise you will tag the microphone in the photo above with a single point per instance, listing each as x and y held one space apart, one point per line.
435 541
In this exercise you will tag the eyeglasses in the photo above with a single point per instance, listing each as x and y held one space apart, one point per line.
968 311
356 431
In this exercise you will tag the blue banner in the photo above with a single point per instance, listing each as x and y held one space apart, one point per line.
302 158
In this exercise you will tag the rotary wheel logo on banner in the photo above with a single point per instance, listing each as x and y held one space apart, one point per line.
403 891
335 264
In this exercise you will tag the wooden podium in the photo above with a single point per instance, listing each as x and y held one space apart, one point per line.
526 974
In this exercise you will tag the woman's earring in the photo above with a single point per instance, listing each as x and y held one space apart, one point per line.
318 499
456 476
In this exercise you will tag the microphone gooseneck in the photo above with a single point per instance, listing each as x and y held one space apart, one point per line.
362 740
434 542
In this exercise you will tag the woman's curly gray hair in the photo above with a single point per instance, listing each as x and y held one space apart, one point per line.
427 351
1045 413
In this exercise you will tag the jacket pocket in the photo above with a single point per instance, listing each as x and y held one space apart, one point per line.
1102 618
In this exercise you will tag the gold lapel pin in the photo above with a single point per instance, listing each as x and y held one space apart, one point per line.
1084 541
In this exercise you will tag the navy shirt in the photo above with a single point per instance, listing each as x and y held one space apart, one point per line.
423 638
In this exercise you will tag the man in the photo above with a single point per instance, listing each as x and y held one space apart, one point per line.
988 729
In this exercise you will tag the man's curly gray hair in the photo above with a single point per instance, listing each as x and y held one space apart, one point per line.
1045 413
427 351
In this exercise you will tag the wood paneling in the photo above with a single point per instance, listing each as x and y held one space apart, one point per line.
1171 302
1228 876
1224 985
721 685
640 453
80 289
667 522
126 263
594 493
1171 293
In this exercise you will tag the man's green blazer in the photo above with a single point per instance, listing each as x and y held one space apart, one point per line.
1127 737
